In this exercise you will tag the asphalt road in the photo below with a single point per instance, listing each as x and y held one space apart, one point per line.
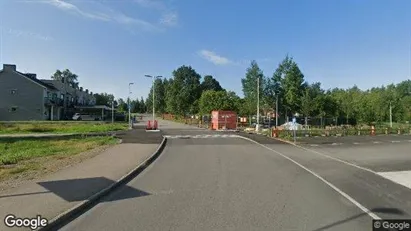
207 180
348 141
223 184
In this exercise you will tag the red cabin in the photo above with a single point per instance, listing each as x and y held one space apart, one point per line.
223 120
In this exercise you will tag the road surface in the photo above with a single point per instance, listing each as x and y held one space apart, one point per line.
215 181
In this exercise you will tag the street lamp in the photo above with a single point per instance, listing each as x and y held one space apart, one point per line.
258 104
153 79
129 106
276 109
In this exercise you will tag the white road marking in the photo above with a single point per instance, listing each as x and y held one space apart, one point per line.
352 200
402 177
356 143
314 145
204 136
409 140
377 142
395 141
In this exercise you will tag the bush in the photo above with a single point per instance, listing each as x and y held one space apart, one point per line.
9 160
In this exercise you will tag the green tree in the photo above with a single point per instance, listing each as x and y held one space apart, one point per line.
104 98
70 78
142 106
183 91
292 84
210 83
217 100
122 105
253 76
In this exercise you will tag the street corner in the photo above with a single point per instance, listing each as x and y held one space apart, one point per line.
352 141
141 136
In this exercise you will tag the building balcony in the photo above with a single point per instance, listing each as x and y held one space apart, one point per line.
53 101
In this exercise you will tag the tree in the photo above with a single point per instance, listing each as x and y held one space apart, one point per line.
253 75
210 83
183 91
143 107
122 105
135 106
104 99
217 100
292 83
68 76
159 97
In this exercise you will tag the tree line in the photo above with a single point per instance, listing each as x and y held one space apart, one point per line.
137 105
187 93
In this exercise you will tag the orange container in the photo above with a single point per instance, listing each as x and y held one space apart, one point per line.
223 119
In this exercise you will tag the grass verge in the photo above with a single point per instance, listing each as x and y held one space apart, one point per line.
18 156
59 127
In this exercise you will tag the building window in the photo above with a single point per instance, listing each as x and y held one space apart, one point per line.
13 91
13 109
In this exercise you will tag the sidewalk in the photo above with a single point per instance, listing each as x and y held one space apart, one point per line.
67 188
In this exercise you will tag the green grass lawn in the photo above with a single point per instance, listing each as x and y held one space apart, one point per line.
59 127
14 151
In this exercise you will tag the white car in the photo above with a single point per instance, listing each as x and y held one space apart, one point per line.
79 116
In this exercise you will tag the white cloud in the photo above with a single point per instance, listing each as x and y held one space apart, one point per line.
154 4
169 19
169 16
29 34
110 15
73 8
214 58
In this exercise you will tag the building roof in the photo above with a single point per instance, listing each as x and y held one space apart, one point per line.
33 78
94 107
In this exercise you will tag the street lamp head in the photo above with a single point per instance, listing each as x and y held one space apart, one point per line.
130 83
148 76
159 76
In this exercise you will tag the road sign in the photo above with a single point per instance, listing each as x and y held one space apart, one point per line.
294 120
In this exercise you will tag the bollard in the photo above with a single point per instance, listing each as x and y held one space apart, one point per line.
386 131
373 130
359 132
399 131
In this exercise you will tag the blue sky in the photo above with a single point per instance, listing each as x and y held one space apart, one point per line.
110 43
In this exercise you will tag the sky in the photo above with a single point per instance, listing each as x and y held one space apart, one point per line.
110 43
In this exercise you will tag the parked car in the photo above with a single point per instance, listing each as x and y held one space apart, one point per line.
79 116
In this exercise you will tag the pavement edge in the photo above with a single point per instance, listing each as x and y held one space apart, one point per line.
69 215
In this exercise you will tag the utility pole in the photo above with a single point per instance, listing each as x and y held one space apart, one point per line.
129 105
153 82
276 110
390 115
112 111
258 104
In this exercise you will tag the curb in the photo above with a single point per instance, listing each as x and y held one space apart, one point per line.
69 215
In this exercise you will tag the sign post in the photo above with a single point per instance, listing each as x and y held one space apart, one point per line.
294 128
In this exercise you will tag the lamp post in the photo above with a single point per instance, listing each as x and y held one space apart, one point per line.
276 109
257 126
112 111
153 79
129 106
